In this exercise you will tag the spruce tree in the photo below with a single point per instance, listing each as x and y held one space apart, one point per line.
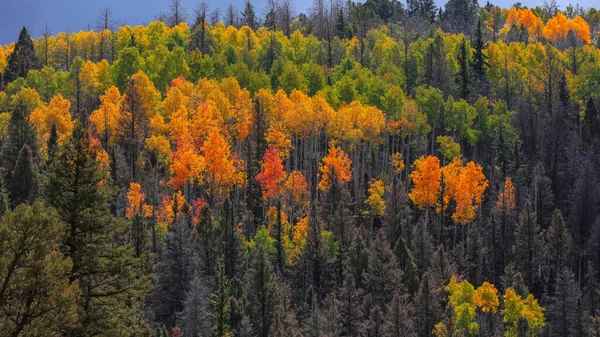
104 267
591 122
249 16
52 144
561 311
20 132
22 59
558 245
174 271
399 319
219 301
528 246
463 77
382 276
23 185
263 292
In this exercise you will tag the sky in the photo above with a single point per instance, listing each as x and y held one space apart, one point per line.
75 15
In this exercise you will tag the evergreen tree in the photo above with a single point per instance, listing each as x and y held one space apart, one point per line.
52 144
479 62
22 59
173 272
249 16
406 262
459 16
195 320
23 186
562 305
105 269
558 245
463 77
591 122
219 301
382 275
427 304
352 316
20 132
528 247
263 292
398 322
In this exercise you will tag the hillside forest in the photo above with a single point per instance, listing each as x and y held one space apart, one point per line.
360 169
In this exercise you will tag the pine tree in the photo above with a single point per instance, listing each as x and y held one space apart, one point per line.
20 133
463 77
104 268
558 244
219 301
591 122
562 305
528 246
406 262
249 16
398 322
479 59
195 319
263 292
23 185
173 272
382 275
427 304
352 316
22 59
52 145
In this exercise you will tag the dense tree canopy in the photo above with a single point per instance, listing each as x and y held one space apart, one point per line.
362 169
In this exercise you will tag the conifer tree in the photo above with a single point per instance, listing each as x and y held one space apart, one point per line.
562 305
174 271
249 16
104 267
23 186
263 292
219 301
528 246
22 59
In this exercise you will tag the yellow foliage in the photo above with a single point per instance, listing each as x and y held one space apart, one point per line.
56 113
397 162
375 199
335 168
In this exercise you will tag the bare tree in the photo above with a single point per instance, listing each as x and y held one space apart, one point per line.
199 28
231 17
46 33
215 16
178 13
286 15
104 20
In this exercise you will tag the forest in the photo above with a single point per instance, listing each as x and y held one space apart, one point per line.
361 169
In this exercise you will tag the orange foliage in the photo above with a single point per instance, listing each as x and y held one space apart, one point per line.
335 168
524 18
223 169
468 192
272 175
277 139
106 118
426 180
169 209
559 26
506 198
463 184
135 202
297 187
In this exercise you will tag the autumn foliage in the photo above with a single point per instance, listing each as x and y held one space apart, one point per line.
335 168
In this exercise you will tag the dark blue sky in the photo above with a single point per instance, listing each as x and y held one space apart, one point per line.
75 15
